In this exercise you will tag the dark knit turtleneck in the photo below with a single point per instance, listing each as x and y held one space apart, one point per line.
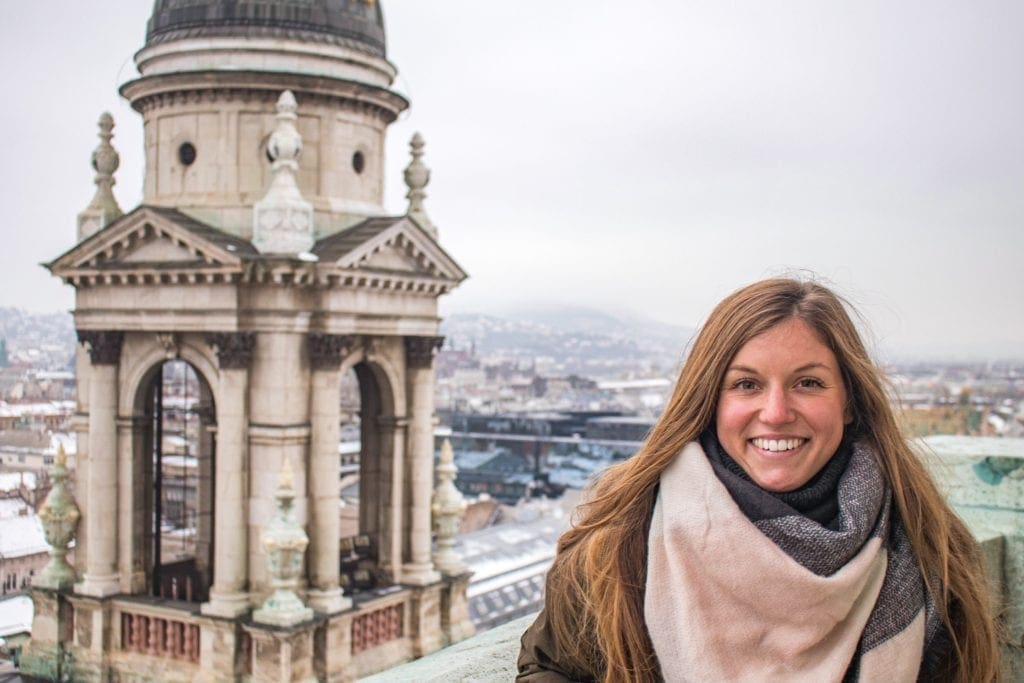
816 500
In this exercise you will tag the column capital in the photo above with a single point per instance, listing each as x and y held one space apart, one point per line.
234 349
326 351
104 346
419 351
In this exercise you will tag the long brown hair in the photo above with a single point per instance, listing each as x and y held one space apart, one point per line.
601 561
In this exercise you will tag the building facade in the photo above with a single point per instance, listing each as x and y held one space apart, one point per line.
262 259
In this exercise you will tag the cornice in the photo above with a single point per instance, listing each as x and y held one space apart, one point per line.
216 87
257 273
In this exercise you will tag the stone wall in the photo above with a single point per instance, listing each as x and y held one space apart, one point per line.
984 479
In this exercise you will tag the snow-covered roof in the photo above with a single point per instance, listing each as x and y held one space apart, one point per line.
509 548
11 481
21 536
12 507
470 460
15 615
30 409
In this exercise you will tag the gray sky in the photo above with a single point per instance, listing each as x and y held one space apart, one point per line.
644 156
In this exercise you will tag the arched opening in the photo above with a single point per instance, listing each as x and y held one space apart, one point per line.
178 444
368 543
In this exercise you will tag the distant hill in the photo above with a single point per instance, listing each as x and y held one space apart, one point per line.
44 340
15 322
575 340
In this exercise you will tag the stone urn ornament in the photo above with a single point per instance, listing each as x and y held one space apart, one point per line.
59 515
447 507
284 543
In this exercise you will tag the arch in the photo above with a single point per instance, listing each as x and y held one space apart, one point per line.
140 365
388 374
173 493
379 537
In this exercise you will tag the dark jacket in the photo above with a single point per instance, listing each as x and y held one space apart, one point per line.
542 661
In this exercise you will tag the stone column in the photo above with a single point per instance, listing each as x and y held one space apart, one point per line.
101 577
391 514
326 352
228 595
419 360
278 430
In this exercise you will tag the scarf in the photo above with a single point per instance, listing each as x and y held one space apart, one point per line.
777 595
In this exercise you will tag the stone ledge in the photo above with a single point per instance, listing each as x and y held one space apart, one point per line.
490 656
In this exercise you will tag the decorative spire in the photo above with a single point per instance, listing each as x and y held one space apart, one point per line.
284 542
103 209
447 506
417 175
59 515
282 222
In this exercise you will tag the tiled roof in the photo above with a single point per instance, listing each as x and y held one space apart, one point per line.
333 247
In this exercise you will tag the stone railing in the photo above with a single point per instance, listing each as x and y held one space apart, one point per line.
983 478
167 637
376 628
160 637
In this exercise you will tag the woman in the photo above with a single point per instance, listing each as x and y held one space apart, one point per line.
775 525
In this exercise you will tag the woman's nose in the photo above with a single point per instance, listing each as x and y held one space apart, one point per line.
776 408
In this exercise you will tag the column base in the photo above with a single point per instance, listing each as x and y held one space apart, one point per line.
419 574
227 605
330 601
99 586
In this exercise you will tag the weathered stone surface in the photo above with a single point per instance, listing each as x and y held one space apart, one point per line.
490 656
984 479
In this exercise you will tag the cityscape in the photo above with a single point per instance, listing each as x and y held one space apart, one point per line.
327 397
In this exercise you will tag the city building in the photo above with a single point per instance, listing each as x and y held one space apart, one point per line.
216 321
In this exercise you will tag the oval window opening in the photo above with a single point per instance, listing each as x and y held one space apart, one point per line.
358 162
186 154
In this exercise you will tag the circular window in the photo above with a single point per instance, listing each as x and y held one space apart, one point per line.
358 162
186 154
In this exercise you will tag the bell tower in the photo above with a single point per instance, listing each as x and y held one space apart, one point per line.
216 322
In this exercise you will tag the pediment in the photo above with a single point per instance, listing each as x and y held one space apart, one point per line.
152 237
159 249
401 247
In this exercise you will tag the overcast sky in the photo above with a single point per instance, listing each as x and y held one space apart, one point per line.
642 156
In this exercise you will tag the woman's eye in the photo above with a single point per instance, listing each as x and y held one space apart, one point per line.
745 385
811 383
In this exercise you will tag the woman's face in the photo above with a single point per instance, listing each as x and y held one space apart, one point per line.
781 408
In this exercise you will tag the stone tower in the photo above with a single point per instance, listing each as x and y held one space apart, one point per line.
261 259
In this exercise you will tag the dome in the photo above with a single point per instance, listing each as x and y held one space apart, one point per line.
356 24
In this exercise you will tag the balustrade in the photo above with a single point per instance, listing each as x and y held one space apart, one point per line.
376 628
159 637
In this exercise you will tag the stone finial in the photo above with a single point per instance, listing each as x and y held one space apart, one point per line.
59 515
417 175
282 222
103 209
447 507
284 543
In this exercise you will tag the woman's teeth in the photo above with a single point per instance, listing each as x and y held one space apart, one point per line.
777 444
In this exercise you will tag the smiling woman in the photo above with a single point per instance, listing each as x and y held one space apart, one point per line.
774 526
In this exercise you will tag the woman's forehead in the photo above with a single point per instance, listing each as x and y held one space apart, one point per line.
792 343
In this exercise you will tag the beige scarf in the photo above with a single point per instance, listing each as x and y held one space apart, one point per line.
730 600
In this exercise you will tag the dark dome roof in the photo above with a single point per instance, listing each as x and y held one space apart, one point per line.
352 23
